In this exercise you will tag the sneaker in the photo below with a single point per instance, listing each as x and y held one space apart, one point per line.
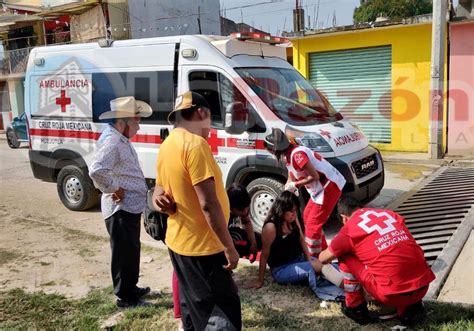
413 314
359 314
131 304
385 313
142 291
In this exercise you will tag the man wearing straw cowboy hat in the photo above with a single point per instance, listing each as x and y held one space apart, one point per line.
116 172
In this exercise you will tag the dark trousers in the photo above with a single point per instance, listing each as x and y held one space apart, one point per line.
208 295
124 231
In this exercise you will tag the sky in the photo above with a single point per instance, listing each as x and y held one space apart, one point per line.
274 16
277 15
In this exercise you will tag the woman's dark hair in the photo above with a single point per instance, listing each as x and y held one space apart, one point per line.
277 143
280 155
239 198
286 201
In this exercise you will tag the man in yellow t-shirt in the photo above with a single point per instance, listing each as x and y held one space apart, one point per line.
200 246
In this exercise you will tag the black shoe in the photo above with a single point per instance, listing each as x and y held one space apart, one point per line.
131 304
340 299
413 314
359 314
142 291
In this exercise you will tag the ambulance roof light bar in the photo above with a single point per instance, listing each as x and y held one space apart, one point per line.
258 37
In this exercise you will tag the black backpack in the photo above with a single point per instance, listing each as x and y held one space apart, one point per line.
155 223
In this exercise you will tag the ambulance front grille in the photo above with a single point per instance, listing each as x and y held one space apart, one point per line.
435 211
365 166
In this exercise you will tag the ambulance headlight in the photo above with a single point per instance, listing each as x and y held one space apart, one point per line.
314 142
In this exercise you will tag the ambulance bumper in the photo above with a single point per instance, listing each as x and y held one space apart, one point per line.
41 165
364 172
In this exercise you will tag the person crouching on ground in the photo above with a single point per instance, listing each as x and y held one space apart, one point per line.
323 182
240 225
377 252
285 251
116 172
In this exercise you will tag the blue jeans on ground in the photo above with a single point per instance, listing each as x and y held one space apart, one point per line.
301 271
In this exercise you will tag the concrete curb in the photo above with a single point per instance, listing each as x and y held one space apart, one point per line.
445 261
441 162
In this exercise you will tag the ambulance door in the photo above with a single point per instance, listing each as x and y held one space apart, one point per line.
221 92
156 88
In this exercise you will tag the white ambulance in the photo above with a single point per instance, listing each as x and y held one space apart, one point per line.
250 87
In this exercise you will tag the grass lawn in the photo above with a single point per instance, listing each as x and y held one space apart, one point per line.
271 308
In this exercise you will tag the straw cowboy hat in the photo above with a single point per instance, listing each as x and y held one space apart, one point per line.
126 107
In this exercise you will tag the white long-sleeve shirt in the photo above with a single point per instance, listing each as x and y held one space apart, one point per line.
116 166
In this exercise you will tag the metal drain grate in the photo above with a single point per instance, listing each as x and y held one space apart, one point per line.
435 211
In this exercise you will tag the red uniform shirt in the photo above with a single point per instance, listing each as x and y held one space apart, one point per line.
382 242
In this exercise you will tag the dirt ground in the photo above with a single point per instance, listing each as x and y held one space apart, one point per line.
44 246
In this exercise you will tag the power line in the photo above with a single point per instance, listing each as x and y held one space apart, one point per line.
287 9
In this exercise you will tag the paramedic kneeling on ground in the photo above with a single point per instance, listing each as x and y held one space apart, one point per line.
116 172
376 251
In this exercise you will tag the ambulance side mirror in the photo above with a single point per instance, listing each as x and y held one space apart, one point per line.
236 118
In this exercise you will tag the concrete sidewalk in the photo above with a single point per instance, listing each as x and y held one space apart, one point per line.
424 158
459 284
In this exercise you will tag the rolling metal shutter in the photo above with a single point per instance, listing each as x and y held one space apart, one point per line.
358 83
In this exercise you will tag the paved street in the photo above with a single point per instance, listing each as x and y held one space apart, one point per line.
46 246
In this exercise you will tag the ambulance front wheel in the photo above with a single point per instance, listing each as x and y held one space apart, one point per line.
263 192
75 189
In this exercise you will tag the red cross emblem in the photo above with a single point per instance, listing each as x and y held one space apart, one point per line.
325 133
63 101
374 218
214 141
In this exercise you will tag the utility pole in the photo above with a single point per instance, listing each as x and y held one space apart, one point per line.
437 79
199 19
298 18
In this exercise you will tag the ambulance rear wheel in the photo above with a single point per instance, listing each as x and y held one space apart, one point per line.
263 192
75 189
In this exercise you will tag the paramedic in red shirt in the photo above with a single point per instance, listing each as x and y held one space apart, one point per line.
323 182
377 252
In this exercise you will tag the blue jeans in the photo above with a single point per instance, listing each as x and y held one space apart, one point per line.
301 271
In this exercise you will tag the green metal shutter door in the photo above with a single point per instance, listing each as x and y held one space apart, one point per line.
358 83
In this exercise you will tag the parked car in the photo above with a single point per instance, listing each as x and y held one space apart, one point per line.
17 132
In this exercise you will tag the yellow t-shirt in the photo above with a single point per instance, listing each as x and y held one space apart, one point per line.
184 160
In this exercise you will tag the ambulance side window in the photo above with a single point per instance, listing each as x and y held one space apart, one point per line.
219 93
206 84
153 87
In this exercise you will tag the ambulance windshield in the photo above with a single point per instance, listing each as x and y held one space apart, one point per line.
291 97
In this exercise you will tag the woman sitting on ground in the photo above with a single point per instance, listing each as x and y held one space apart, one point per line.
285 251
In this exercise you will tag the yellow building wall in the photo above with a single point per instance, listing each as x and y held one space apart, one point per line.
411 57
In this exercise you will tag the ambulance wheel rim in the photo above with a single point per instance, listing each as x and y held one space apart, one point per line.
73 189
261 205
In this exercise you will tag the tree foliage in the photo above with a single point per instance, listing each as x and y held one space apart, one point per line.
395 10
